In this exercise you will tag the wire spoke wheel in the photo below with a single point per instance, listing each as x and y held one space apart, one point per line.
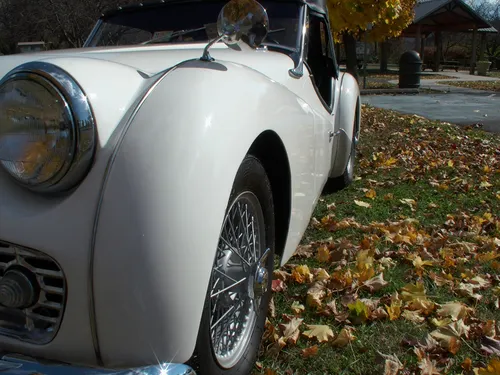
239 279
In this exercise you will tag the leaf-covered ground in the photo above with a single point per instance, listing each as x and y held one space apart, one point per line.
399 273
477 85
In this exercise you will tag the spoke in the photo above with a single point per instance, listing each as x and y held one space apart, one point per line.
236 238
228 322
223 274
222 317
235 251
253 238
227 288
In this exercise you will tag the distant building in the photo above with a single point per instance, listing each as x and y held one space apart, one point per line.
26 47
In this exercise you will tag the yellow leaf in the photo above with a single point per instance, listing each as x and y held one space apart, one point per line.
371 194
362 204
344 338
485 184
450 163
301 274
394 310
388 196
413 292
492 369
322 333
315 294
323 254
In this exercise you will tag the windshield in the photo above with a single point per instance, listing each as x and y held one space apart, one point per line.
187 21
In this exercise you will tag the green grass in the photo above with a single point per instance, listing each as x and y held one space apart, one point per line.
453 176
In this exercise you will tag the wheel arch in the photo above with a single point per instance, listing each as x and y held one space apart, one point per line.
270 150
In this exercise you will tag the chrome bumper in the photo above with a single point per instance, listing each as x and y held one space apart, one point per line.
14 366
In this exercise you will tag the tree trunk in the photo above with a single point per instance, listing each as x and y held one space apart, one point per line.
350 54
384 56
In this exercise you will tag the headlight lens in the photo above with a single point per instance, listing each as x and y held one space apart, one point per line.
36 137
47 130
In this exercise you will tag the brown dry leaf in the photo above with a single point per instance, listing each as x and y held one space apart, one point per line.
371 194
315 294
322 333
302 275
388 196
392 364
323 254
376 283
412 203
310 352
344 337
269 371
454 310
291 330
297 308
304 251
467 364
489 329
469 290
413 292
441 322
413 316
320 274
449 336
428 367
272 308
362 204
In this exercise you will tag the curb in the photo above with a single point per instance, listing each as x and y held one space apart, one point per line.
389 91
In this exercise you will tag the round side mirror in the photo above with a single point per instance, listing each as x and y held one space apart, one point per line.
243 20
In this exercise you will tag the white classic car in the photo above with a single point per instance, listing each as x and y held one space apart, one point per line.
152 180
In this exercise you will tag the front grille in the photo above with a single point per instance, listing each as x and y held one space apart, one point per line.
39 323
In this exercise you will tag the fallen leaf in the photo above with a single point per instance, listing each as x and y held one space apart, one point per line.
302 275
467 364
428 367
344 337
362 204
297 308
493 368
413 316
376 283
371 194
322 333
359 312
291 330
310 352
392 364
278 286
323 254
454 310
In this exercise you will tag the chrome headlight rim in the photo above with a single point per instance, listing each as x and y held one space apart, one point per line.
82 121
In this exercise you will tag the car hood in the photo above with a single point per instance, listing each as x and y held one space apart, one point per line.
152 59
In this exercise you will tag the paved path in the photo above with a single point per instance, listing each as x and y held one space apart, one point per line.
455 104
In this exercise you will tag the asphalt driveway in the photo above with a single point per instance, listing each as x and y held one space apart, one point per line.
462 107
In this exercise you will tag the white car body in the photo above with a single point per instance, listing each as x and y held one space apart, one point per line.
136 238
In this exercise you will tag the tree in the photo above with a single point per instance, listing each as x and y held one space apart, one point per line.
350 18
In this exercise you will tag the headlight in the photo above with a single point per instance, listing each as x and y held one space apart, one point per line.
47 129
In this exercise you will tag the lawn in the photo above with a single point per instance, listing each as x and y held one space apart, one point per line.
478 85
399 273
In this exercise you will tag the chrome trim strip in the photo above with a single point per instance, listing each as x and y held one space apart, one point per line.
298 70
92 33
80 114
10 365
121 136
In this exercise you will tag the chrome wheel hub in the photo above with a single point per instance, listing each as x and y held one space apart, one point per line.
239 279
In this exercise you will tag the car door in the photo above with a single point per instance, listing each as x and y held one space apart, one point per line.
320 59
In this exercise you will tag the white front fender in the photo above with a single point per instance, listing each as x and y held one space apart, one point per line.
165 198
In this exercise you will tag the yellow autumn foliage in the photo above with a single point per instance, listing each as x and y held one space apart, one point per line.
388 17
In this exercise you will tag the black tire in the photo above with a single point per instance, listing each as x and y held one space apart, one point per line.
343 181
251 177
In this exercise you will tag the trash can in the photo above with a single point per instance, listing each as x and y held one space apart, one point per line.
410 68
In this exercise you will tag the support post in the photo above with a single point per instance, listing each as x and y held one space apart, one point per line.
473 54
482 47
418 37
439 50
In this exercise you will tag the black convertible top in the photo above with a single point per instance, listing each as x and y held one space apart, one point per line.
316 5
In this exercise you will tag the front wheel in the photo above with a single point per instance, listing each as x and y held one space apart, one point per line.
240 284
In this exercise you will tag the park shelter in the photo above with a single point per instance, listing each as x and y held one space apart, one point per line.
436 16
